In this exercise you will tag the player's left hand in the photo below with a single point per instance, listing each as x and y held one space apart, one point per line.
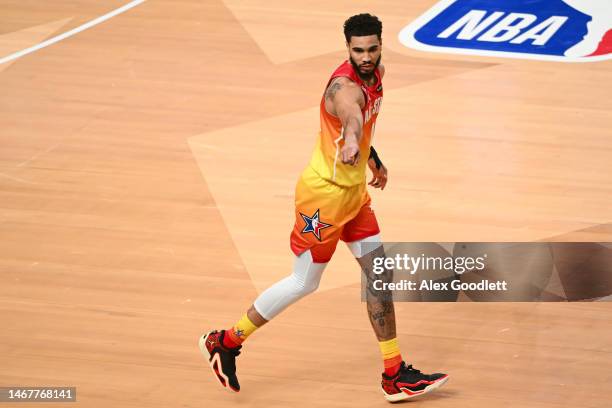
379 176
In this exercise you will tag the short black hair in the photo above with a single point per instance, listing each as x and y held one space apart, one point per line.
361 25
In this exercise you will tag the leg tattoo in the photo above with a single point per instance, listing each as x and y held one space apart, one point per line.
379 302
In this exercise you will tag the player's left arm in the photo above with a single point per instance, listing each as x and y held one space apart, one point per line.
380 174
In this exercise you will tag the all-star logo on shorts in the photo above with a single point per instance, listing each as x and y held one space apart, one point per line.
554 30
314 224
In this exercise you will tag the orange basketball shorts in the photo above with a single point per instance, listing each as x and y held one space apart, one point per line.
326 212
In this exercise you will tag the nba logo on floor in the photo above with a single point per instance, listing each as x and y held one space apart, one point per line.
554 30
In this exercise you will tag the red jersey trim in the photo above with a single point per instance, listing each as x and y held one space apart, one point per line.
347 70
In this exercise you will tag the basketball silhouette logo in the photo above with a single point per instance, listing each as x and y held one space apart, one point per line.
553 30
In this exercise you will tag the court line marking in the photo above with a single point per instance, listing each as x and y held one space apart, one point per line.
70 33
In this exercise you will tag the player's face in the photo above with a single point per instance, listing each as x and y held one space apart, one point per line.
364 54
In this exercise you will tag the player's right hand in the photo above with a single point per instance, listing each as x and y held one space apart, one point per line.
350 153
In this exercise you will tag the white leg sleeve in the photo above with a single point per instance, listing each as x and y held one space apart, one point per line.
304 280
359 250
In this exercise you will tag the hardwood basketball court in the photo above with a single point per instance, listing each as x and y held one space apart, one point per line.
147 172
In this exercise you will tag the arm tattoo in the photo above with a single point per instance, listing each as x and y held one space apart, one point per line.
331 91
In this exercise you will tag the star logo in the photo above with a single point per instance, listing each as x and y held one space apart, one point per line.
314 224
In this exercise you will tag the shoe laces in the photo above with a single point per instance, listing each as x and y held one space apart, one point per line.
409 368
235 351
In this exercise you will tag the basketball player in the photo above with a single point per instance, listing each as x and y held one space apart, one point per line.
332 204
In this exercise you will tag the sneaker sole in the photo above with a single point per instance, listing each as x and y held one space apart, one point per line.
215 364
407 394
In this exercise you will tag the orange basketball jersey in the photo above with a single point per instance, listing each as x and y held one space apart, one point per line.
326 160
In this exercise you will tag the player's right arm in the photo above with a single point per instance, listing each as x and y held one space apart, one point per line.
344 99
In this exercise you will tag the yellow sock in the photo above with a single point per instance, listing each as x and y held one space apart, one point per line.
391 356
240 332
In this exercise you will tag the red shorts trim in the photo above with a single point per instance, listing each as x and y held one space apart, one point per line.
321 236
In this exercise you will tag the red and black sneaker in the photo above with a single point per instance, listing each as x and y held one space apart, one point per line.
222 360
409 383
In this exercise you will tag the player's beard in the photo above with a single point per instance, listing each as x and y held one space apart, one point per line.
365 77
